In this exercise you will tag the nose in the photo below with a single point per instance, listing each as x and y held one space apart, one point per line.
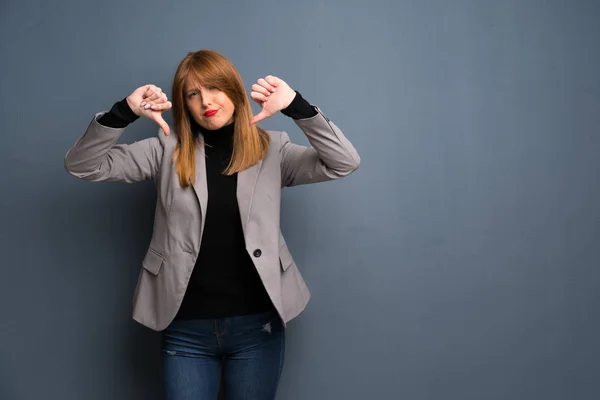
206 100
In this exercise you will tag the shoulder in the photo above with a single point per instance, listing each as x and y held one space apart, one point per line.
278 138
166 142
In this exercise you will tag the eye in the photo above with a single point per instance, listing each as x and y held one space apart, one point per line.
192 94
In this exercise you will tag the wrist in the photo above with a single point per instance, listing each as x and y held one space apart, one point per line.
290 98
299 108
124 111
131 106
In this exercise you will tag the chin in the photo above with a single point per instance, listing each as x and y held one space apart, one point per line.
213 126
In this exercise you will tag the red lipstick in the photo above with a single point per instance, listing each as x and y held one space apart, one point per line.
210 113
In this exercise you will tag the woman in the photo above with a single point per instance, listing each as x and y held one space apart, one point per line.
218 278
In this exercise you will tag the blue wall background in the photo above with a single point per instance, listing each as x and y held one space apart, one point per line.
461 261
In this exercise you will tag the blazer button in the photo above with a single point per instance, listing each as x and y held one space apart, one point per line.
257 253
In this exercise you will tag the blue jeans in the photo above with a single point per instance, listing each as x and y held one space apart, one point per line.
247 352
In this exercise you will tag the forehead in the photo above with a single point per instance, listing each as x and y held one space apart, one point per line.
194 80
192 83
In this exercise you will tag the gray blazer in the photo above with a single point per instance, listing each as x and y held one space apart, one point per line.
179 222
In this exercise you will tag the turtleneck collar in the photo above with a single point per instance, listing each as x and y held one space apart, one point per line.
220 138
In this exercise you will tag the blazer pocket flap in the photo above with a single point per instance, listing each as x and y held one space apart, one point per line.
152 262
285 257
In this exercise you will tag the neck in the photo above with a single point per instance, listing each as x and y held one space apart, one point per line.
222 137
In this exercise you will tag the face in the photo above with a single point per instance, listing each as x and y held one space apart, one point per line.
210 107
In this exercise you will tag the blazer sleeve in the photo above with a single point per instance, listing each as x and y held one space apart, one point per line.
331 155
96 157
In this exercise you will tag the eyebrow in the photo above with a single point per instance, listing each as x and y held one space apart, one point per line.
194 89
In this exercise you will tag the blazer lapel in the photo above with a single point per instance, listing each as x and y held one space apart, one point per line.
200 186
245 191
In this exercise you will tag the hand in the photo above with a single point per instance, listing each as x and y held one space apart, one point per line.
149 101
273 95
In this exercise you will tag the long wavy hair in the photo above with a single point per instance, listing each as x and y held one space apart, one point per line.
210 68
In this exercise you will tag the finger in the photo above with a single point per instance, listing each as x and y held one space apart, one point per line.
143 91
155 96
150 89
273 80
162 99
162 123
266 85
260 89
258 97
162 106
151 95
259 117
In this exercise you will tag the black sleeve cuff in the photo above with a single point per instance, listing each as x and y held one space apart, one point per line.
299 108
119 116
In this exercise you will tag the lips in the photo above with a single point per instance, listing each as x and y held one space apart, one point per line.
210 113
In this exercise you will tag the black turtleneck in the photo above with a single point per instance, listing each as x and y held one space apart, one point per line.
224 281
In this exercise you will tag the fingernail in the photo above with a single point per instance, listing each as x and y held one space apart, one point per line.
147 106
